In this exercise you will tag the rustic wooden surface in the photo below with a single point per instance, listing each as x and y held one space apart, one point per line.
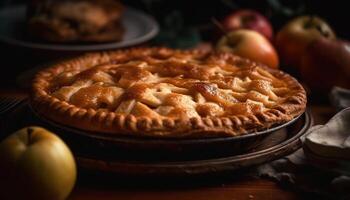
244 188
234 187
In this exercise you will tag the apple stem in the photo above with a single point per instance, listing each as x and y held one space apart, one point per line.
29 131
218 25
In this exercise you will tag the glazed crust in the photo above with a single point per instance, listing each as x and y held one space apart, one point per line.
108 122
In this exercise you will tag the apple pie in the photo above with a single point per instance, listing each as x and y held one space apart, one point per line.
75 20
160 92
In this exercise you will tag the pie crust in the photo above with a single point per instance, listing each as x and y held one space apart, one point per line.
160 92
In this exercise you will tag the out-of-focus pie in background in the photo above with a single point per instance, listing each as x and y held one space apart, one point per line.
75 20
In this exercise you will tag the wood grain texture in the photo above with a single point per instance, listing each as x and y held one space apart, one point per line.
242 189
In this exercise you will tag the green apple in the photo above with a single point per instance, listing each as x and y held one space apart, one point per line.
35 164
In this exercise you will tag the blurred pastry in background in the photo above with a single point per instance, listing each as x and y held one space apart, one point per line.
67 21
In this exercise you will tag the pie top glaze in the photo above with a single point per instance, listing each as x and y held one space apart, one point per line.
160 92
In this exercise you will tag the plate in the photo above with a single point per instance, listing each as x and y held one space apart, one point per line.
157 148
277 145
139 27
161 157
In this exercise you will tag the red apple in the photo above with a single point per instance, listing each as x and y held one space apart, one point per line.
248 19
251 45
296 35
326 63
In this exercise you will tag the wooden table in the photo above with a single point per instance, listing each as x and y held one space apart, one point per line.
237 186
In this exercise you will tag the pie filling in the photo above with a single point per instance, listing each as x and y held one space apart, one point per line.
165 84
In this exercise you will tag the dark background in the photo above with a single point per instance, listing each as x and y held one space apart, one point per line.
278 11
185 23
197 14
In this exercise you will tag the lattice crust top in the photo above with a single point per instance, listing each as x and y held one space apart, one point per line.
162 92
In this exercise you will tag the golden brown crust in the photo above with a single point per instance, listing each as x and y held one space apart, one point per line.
233 122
